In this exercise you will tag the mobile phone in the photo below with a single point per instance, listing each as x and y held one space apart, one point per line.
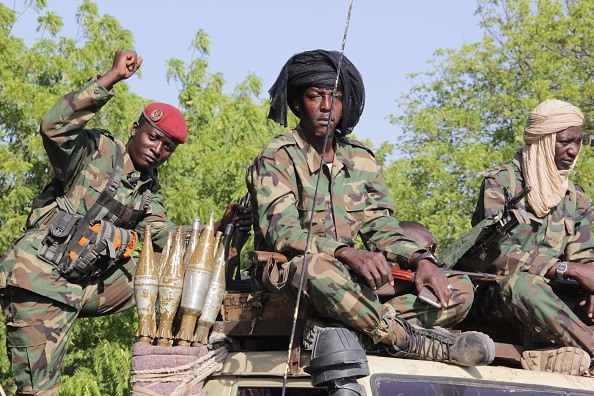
427 295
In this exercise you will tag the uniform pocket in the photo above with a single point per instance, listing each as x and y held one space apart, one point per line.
354 209
28 357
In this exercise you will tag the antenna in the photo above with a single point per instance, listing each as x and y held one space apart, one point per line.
308 241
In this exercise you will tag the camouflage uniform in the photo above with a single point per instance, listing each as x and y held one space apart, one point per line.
39 306
353 200
526 256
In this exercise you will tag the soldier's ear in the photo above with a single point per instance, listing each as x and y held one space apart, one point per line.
133 128
296 106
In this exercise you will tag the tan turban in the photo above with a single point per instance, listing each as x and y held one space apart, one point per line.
538 155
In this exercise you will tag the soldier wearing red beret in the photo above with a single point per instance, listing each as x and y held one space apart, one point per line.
74 258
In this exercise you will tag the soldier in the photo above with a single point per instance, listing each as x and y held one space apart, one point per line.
352 200
555 244
74 258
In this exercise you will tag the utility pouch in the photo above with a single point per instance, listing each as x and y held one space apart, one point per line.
57 236
96 251
83 248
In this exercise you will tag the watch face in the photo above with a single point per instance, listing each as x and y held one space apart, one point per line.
561 268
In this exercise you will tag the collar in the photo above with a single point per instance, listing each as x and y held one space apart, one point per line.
313 158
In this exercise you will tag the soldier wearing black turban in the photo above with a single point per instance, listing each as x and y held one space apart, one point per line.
318 68
318 228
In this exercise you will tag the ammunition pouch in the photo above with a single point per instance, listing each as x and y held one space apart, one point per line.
85 247
82 252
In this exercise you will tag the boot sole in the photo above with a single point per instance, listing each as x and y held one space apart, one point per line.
565 360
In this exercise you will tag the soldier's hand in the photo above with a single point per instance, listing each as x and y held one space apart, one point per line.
125 64
428 274
583 273
239 215
243 219
373 267
588 302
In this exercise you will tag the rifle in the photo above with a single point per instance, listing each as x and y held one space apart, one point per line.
472 251
237 240
407 275
428 295
507 223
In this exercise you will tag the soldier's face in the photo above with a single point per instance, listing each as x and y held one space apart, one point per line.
314 111
567 147
149 147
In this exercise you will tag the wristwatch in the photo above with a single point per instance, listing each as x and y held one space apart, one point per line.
561 268
425 255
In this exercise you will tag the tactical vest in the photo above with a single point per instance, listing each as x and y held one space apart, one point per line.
84 247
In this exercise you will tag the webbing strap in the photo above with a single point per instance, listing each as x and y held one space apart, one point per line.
98 210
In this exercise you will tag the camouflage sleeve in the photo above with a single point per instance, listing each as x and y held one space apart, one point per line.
512 257
61 125
275 187
580 247
379 229
159 222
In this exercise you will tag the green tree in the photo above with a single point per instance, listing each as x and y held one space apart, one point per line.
227 132
204 175
467 114
31 79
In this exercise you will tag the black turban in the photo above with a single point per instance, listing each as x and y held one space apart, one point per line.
317 68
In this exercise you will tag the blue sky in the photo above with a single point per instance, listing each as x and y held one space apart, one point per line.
387 40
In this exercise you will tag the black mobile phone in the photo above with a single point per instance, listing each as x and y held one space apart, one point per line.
427 295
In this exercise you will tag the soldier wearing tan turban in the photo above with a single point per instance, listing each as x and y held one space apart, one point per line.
556 246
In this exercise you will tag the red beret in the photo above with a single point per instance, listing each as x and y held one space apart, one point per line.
168 120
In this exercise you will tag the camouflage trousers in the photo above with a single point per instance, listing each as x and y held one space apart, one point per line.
330 290
531 300
38 328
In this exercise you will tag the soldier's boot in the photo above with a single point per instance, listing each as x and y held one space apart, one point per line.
313 327
464 349
564 360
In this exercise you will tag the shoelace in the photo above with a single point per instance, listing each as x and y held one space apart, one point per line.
428 345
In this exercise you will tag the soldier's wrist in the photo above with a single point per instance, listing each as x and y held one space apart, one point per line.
413 263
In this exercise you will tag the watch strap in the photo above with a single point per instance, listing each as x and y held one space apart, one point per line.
425 255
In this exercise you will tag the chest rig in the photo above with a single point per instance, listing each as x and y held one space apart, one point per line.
83 248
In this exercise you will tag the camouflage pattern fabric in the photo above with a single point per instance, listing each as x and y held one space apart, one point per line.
330 289
38 328
529 299
528 253
352 201
82 161
564 234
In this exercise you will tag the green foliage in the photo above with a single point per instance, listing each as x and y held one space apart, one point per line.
468 113
204 175
31 79
460 119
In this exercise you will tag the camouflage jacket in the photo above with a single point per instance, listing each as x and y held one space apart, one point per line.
563 235
352 200
82 160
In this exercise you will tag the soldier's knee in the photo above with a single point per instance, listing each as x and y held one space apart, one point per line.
322 265
463 290
522 284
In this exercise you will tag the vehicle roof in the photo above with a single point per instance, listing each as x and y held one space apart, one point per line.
272 364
